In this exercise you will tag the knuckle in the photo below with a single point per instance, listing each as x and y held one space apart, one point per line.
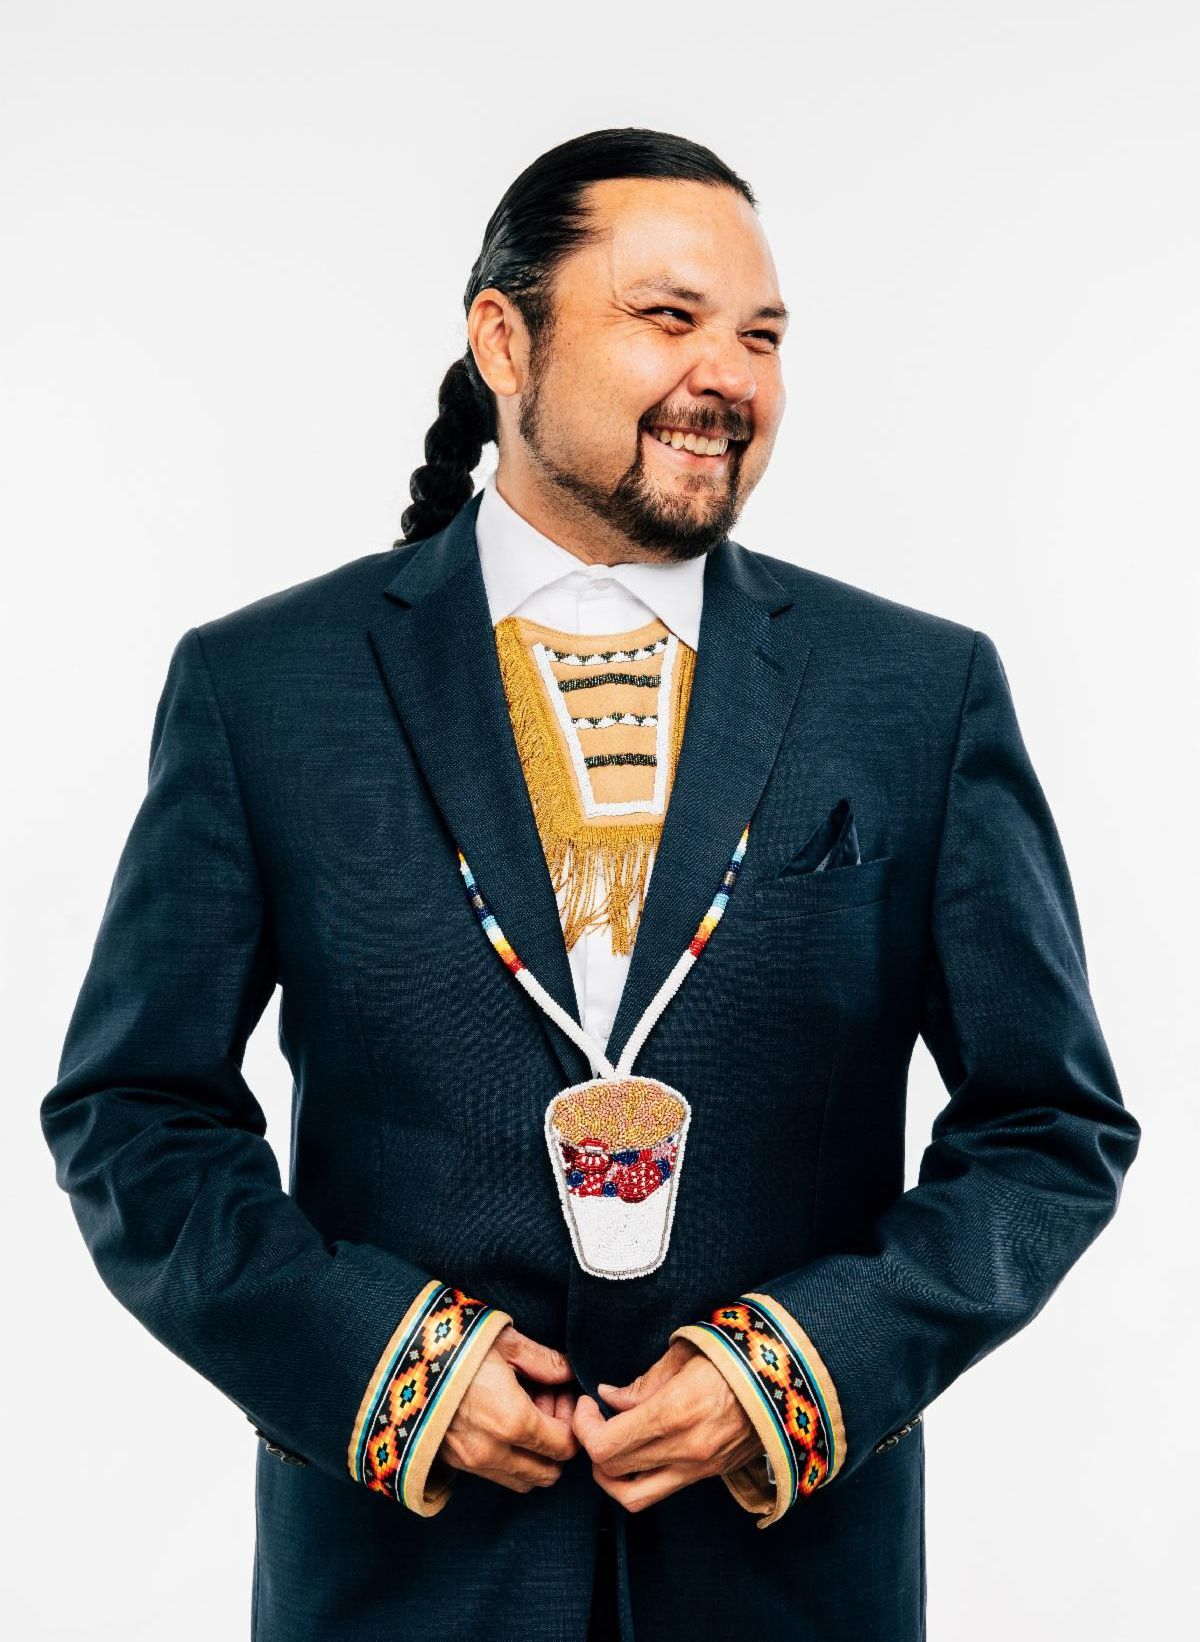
695 1446
600 1451
474 1452
529 1431
539 1476
688 1407
506 1421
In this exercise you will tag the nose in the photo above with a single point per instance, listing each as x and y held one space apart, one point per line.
722 367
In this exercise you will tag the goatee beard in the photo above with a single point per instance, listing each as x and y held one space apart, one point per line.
668 528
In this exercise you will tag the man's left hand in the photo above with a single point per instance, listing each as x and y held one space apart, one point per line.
676 1423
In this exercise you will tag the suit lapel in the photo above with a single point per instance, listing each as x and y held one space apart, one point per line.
435 644
744 687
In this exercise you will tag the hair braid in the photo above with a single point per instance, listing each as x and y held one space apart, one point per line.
466 420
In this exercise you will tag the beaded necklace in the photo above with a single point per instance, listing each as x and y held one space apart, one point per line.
615 1141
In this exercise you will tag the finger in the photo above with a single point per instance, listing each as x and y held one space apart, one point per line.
588 1422
522 1472
709 1427
639 1493
692 1447
624 1437
540 1432
691 1442
672 1361
529 1357
619 1396
498 1460
630 1455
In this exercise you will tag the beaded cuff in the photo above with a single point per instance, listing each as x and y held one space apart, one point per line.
414 1393
777 1375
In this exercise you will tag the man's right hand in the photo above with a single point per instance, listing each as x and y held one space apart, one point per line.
501 1432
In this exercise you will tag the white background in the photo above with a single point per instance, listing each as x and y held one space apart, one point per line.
236 240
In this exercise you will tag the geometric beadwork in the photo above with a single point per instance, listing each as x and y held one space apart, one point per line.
409 1384
788 1388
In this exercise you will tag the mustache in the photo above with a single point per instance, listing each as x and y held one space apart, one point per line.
737 434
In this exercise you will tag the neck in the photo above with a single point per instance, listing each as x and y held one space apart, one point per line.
569 524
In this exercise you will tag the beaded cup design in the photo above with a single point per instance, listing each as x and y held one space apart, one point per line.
615 1140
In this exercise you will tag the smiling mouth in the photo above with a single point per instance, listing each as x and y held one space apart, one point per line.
686 449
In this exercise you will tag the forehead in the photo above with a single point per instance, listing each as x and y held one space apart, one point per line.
695 235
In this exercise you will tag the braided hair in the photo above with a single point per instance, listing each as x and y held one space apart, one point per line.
541 220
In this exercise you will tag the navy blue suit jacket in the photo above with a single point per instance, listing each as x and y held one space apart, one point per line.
316 758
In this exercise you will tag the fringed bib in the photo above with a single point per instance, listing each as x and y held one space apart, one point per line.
598 720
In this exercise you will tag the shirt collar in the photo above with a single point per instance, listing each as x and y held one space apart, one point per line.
516 560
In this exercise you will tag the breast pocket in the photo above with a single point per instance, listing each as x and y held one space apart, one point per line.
820 963
799 894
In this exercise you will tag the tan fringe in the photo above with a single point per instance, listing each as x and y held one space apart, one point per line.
577 850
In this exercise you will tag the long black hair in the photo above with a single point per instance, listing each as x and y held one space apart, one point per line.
541 220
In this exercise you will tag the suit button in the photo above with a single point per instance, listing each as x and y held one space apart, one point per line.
279 1453
894 1437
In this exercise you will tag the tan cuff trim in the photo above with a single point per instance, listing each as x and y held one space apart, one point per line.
747 1485
752 1487
427 1486
414 1392
815 1363
383 1370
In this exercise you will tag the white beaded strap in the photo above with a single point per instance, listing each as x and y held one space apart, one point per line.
587 1041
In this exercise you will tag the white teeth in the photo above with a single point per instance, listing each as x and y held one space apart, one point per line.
691 441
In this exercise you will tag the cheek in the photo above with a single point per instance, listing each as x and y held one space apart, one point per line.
647 373
770 401
759 454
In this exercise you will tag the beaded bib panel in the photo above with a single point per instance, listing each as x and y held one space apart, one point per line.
598 720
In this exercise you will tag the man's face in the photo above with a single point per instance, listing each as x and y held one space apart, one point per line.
659 324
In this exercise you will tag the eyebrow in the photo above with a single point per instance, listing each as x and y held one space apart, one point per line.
684 294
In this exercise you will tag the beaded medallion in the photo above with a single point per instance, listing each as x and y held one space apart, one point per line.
616 1141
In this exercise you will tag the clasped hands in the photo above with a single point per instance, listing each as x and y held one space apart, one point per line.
676 1423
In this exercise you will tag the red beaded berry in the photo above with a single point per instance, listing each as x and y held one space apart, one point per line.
635 1181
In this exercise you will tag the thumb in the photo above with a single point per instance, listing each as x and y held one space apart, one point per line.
539 1362
622 1397
644 1386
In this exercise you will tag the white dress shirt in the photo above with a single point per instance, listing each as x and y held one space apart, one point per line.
527 574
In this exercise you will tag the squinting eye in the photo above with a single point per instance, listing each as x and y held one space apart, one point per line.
771 336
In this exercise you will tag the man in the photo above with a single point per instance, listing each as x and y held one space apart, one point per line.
537 1337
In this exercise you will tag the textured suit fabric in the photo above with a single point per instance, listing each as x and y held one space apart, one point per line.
315 758
604 1621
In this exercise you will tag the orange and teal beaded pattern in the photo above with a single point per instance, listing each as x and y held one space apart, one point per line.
788 1388
487 918
712 917
409 1383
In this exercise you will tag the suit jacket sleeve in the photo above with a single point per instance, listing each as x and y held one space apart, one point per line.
1024 1166
343 1355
